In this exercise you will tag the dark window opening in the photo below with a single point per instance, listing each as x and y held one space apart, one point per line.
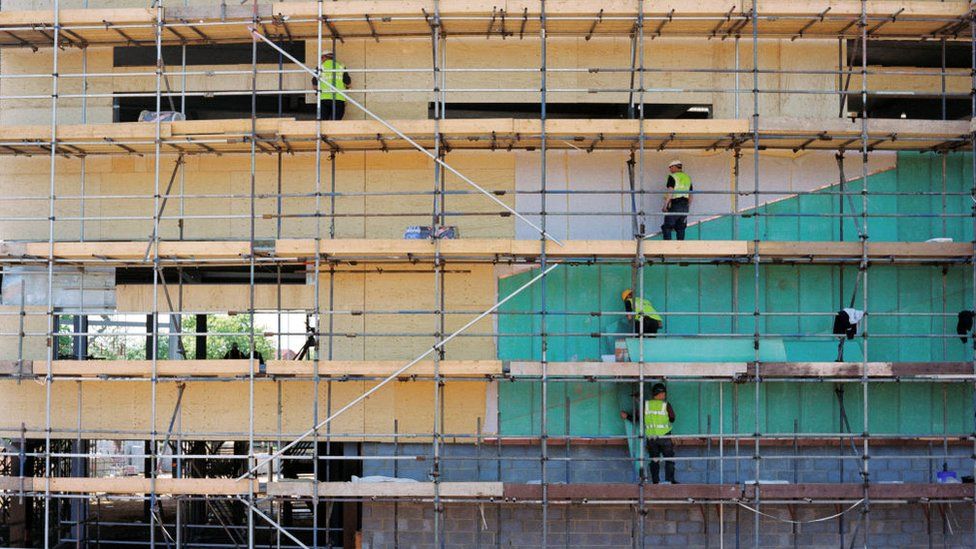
290 274
573 110
907 53
339 521
127 109
912 107
213 54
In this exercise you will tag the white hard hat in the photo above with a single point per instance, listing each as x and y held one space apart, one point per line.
674 162
327 53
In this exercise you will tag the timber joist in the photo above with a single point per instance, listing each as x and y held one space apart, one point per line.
351 370
481 250
499 492
378 19
593 250
496 134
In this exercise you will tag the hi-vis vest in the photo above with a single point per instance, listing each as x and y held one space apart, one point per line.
332 72
642 308
682 184
656 420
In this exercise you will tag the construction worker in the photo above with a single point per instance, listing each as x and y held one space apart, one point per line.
332 106
234 353
643 313
658 418
677 202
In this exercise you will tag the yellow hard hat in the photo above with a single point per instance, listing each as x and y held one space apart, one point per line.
626 293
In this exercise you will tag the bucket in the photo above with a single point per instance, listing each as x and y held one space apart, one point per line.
620 351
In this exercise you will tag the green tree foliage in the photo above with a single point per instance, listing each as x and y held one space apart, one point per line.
218 346
114 343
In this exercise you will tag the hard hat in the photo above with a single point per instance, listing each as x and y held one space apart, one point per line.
626 293
327 53
674 162
658 388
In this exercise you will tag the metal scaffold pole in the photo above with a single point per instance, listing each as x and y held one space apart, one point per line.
543 262
52 328
101 179
863 273
758 324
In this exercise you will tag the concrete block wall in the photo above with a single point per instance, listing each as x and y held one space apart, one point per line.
411 525
610 464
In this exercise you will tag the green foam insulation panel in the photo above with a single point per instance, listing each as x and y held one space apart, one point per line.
815 291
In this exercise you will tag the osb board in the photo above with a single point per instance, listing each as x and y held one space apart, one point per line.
216 298
212 409
32 346
356 172
469 288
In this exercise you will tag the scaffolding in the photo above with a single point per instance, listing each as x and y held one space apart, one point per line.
263 473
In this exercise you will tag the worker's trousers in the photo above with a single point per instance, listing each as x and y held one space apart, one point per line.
651 326
332 109
676 219
661 447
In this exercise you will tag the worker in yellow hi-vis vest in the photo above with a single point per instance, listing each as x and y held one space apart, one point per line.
332 105
658 418
677 202
645 317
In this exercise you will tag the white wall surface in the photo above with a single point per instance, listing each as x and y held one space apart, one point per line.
782 172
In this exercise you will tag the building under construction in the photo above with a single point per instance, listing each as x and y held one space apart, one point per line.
228 320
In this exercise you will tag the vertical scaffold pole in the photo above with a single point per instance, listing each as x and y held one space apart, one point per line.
316 288
639 259
543 259
52 341
863 270
153 352
439 287
756 319
972 210
252 227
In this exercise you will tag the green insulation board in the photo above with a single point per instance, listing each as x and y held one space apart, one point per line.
803 300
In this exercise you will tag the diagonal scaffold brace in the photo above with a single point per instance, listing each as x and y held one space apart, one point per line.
396 374
403 136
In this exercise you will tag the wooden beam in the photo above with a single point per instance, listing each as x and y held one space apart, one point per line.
913 491
808 493
629 369
383 368
230 136
361 249
934 370
297 250
724 492
623 492
144 368
489 369
389 18
16 367
129 485
126 251
377 249
301 488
